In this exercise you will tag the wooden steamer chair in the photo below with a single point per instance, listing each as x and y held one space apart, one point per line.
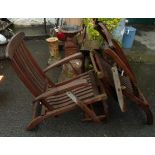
114 71
52 99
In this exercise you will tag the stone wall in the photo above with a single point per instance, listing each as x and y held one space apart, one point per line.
39 21
31 21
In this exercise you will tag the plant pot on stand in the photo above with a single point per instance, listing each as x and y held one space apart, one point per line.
71 47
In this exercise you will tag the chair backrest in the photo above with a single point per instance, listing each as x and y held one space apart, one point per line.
25 66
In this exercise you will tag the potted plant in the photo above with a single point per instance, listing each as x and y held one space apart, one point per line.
94 40
54 41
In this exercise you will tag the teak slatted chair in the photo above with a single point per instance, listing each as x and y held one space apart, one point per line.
114 70
53 99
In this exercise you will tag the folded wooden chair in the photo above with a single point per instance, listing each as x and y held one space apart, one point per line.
53 99
115 72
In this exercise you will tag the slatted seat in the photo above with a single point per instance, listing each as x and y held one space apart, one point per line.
83 93
52 99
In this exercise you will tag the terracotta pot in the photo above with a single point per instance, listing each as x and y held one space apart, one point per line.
53 47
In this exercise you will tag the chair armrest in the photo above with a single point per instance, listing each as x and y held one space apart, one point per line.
93 62
62 88
67 59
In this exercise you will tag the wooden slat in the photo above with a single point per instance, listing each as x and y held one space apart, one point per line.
24 70
75 89
63 96
33 61
118 89
94 83
82 88
77 77
81 96
68 101
29 74
35 67
22 76
38 78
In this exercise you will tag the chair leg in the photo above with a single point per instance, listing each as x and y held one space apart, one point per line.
35 122
100 109
146 109
39 119
37 108
106 107
149 115
90 113
142 103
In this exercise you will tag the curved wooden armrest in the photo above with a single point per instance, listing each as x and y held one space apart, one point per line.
120 63
104 32
62 88
67 59
99 73
93 62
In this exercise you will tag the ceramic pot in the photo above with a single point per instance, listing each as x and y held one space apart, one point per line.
53 47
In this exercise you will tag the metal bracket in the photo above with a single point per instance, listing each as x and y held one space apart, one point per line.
72 96
118 88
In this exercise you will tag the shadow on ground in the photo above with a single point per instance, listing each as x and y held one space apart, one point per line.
16 112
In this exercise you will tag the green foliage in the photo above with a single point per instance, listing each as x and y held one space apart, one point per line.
111 24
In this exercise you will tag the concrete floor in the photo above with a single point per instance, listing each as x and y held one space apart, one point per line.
143 49
16 110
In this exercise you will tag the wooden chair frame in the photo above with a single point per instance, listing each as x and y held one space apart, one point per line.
52 99
113 51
